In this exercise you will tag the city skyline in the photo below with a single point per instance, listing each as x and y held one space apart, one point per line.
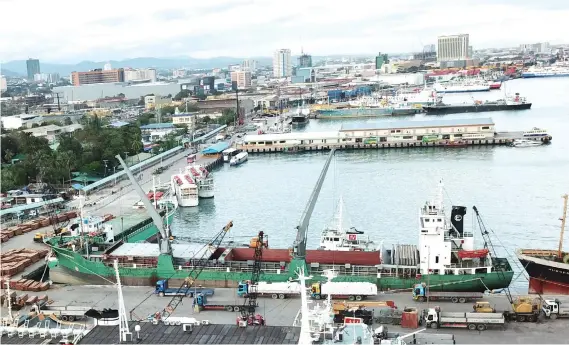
133 31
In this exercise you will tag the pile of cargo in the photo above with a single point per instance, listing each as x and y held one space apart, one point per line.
15 261
388 316
19 301
7 233
410 318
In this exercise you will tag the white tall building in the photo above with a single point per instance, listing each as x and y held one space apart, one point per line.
3 84
107 67
249 65
454 47
140 74
282 64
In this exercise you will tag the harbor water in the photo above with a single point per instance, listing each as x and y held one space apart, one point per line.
517 190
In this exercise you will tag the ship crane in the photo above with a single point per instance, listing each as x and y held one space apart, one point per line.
164 240
197 268
248 310
299 246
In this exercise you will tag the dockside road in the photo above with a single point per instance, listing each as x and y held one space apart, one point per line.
283 312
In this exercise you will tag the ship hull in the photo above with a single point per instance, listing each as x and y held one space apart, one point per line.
72 268
546 277
442 110
532 75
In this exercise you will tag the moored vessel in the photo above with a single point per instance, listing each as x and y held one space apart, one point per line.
546 72
185 189
339 235
548 270
510 103
239 159
525 143
461 86
204 180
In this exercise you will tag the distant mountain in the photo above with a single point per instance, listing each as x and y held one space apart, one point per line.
19 66
8 73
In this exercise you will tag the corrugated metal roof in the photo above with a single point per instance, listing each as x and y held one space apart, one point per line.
157 126
417 124
216 148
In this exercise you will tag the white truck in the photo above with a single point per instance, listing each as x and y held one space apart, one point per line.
275 290
353 291
62 312
553 309
435 318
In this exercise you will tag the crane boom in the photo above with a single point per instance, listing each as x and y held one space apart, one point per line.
248 310
165 246
299 247
195 272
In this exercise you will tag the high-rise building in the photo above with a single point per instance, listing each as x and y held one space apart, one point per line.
380 59
429 48
304 61
453 48
282 66
33 67
3 84
249 65
47 77
142 74
242 78
97 76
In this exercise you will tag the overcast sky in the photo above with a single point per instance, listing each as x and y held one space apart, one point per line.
71 31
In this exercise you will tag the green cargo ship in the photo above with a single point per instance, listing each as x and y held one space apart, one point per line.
451 264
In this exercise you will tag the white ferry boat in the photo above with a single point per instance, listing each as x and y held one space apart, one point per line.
525 143
204 180
239 158
461 86
338 235
537 133
230 153
185 189
546 72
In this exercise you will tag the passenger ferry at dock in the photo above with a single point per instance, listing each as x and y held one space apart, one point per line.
185 189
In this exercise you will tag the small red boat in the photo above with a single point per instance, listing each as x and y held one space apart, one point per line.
471 254
455 144
495 85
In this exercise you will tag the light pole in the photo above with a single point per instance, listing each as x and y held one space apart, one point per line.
105 161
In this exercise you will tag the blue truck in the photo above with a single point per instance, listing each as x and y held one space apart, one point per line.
162 290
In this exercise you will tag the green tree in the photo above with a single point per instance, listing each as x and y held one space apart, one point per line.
182 94
67 121
206 119
8 155
167 110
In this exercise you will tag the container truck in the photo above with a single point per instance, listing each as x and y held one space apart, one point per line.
201 302
554 310
435 318
162 290
62 312
353 291
275 290
421 293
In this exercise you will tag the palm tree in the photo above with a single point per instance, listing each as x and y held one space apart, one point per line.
137 145
8 155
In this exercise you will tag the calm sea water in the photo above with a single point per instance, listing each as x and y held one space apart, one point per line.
517 191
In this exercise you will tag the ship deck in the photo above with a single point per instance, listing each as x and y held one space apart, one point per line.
151 250
125 221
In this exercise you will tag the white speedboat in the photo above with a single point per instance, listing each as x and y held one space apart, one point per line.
230 153
339 235
239 158
185 189
204 180
537 133
525 143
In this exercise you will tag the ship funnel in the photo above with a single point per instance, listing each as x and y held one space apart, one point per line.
457 218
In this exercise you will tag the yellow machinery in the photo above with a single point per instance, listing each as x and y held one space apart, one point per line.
343 305
483 307
526 305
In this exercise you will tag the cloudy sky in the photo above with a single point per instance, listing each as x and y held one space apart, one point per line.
71 31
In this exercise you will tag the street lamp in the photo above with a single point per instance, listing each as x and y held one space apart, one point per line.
105 161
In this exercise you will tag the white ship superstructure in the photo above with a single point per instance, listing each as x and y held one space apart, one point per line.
461 86
185 189
203 179
446 247
339 235
546 72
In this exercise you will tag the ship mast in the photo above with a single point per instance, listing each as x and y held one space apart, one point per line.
563 219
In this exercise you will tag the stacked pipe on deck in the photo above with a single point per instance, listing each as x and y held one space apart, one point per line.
15 261
8 233
406 255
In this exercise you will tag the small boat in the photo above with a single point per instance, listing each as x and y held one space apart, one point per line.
338 235
538 133
525 143
239 158
456 144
